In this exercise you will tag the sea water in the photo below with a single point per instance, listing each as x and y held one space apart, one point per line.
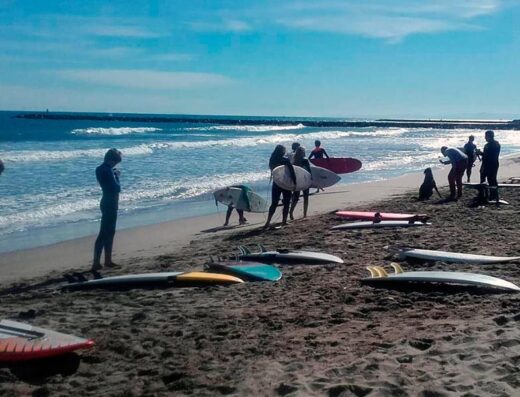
49 193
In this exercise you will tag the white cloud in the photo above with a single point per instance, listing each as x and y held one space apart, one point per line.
146 79
225 25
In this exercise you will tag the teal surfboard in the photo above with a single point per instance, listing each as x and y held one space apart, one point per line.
247 271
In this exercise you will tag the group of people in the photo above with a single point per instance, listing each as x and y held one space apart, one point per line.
463 160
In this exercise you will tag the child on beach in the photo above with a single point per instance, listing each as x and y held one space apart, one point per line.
241 219
108 179
300 161
318 152
471 151
278 158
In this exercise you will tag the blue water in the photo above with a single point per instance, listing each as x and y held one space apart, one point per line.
49 192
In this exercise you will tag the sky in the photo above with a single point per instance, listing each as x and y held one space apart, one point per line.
328 58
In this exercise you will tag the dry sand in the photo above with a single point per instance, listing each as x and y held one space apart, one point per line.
318 331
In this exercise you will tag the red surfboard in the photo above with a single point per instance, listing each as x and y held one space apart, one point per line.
19 342
384 216
339 165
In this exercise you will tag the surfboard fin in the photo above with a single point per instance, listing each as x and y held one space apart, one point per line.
382 272
397 267
261 248
373 272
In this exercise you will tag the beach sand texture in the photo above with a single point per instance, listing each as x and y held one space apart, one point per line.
318 331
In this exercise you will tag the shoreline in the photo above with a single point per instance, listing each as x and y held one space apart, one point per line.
149 241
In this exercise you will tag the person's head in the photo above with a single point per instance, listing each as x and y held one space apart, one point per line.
299 155
317 143
471 138
295 146
113 157
490 135
1 167
443 150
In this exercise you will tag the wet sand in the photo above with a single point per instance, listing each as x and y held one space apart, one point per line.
318 331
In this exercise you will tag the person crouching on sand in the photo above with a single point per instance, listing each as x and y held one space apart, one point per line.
458 161
278 158
300 161
108 179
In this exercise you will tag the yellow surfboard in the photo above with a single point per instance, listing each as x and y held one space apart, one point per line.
202 278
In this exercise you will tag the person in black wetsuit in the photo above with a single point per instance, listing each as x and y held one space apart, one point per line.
1 167
471 151
490 164
318 152
108 178
241 219
300 161
278 158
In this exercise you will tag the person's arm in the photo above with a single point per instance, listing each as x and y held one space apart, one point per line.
445 161
325 153
108 181
311 155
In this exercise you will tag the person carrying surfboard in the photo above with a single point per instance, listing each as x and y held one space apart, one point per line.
458 161
277 159
318 152
108 179
241 219
300 161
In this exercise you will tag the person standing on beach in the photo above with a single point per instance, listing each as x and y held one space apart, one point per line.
318 152
277 159
2 168
458 161
490 164
243 195
294 147
108 179
471 151
300 161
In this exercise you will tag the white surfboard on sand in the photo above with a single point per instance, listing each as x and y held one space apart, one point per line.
453 257
379 275
322 177
233 196
282 177
378 225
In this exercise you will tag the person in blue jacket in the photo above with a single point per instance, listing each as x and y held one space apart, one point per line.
108 178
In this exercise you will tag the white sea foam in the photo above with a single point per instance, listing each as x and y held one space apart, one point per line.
99 131
249 128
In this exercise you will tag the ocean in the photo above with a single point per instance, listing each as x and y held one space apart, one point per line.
49 193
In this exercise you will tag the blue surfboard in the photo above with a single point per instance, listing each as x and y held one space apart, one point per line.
247 271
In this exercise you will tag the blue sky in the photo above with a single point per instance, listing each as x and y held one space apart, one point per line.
348 58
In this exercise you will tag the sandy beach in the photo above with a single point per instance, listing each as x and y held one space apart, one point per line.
318 331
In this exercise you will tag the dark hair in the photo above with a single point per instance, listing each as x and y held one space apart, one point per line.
276 156
471 137
490 133
444 148
113 155
299 156
295 145
317 142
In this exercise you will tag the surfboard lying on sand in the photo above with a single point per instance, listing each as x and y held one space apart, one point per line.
247 271
379 275
339 165
19 342
500 185
384 216
282 177
453 257
165 279
287 257
378 225
234 196
322 177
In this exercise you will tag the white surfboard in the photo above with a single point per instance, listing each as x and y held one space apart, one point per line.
454 257
282 177
288 257
378 275
500 185
233 196
322 177
379 225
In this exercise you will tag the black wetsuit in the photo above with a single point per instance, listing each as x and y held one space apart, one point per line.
318 153
109 182
276 190
489 168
